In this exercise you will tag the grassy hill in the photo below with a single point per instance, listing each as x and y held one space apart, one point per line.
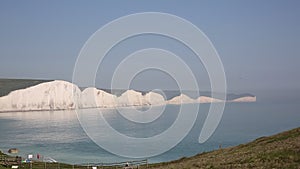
278 151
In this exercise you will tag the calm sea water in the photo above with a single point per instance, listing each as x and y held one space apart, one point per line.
59 135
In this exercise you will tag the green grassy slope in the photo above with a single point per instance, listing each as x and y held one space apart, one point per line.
278 151
2 155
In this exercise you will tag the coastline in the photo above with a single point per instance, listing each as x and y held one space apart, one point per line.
59 95
117 107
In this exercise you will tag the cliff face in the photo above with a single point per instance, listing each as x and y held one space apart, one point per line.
131 98
134 98
153 98
245 99
92 97
205 99
59 95
182 98
53 95
106 100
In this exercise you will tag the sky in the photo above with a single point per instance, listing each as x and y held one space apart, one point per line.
258 41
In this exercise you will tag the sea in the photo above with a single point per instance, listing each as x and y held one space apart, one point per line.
59 135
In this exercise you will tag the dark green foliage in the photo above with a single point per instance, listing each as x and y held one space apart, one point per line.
8 85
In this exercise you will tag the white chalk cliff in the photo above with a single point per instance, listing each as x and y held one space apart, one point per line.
134 98
131 98
54 95
245 99
92 97
153 98
182 98
62 95
205 99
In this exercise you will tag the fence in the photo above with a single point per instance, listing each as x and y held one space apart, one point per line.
132 164
16 161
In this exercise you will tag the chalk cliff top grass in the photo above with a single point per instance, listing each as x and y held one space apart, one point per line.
278 151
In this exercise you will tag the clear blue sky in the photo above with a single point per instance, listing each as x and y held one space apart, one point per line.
258 41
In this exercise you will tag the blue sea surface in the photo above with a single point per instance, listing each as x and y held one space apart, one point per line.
58 134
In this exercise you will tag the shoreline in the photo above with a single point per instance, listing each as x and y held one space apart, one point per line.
117 107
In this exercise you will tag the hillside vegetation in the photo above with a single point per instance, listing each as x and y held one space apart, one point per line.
278 151
8 85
